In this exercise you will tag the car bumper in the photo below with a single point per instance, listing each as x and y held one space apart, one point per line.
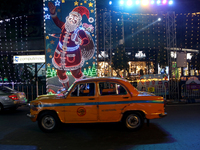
30 116
163 114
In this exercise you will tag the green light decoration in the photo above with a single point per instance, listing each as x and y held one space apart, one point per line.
89 71
94 70
85 72
0 78
49 73
50 93
68 73
54 72
5 79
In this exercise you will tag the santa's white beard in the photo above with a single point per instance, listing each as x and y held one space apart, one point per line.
70 27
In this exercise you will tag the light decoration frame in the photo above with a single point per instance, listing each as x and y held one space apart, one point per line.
52 33
13 41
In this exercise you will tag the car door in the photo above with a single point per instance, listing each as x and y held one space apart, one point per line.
113 97
81 103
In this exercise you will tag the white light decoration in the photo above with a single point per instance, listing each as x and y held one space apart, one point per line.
129 3
11 42
170 2
121 2
46 9
140 54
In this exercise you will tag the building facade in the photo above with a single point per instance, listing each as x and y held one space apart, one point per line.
145 35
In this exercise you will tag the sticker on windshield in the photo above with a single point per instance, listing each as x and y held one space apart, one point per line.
81 111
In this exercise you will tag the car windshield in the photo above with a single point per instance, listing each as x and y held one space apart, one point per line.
67 91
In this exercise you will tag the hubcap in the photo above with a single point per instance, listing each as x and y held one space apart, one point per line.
48 122
133 121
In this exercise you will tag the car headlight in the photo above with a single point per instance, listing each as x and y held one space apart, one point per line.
34 106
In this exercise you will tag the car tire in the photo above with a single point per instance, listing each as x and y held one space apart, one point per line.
1 108
133 121
48 121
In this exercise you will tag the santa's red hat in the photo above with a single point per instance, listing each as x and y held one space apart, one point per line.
81 10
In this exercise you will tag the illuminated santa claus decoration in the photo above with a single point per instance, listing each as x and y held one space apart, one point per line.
75 44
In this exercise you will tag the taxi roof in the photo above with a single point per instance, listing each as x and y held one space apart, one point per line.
129 86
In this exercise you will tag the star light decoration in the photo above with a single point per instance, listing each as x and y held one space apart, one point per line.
90 4
47 16
57 3
75 3
46 9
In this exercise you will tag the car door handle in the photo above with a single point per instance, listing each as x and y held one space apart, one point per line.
91 98
125 97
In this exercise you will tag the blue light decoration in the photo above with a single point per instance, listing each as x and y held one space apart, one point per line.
129 2
158 2
137 2
47 16
170 2
57 3
152 2
110 2
121 2
46 9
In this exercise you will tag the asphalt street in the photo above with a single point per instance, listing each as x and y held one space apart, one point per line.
180 130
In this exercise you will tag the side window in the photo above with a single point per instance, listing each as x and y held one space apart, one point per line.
109 88
121 90
84 89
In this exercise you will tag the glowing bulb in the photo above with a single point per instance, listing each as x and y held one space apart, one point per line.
170 2
121 2
129 2
164 1
152 2
158 2
145 2
137 2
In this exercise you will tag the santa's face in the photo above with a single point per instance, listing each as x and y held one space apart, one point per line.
72 22
73 19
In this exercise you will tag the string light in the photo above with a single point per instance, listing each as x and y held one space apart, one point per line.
11 41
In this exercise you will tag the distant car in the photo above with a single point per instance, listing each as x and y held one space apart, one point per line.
11 99
97 100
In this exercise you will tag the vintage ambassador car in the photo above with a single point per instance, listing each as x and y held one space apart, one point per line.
95 100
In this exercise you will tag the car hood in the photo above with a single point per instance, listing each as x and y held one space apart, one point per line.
57 96
141 93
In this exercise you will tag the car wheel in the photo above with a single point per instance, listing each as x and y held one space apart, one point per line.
48 121
133 121
1 108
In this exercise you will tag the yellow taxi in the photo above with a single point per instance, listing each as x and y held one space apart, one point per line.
95 100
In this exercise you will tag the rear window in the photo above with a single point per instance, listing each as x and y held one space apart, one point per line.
110 88
5 89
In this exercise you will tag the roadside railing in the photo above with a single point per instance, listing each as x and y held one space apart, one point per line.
190 93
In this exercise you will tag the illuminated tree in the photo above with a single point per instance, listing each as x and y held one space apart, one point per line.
49 73
85 72
94 70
